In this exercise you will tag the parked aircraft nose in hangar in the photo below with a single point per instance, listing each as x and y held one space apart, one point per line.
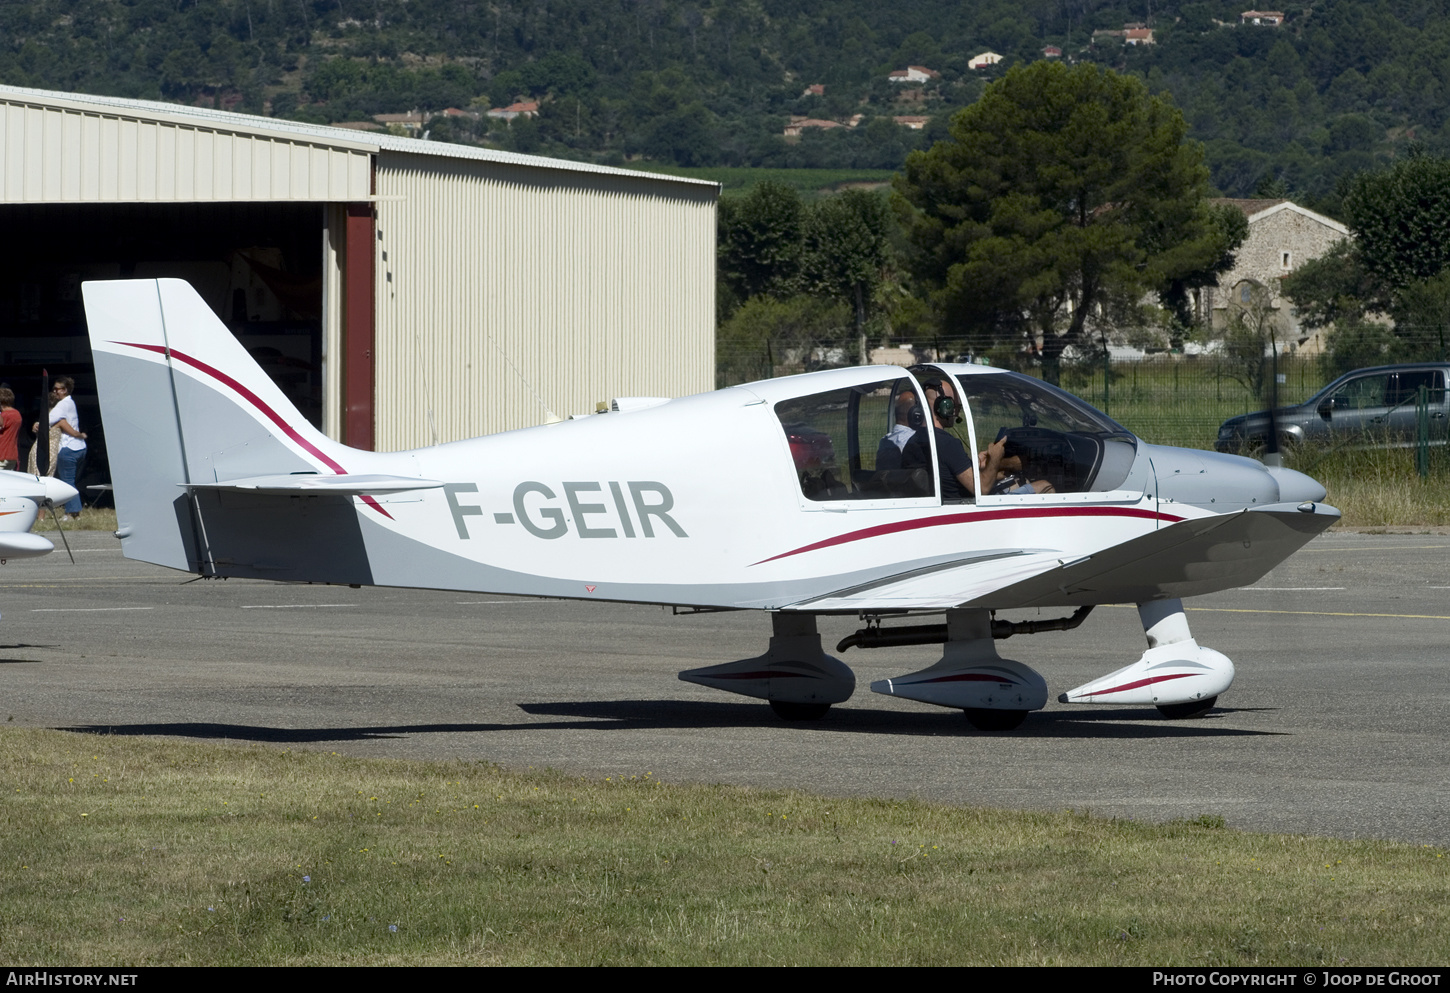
953 490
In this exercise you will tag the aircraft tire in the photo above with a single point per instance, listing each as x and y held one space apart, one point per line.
787 711
985 719
1181 711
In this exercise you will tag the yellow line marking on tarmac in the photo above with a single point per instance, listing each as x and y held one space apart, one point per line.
1304 613
1320 613
1290 589
1370 548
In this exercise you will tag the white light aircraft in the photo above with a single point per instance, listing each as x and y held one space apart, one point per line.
783 496
22 496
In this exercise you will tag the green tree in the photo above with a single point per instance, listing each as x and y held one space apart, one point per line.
760 241
685 137
1398 264
1335 289
1228 227
1061 190
1399 217
1252 335
769 337
847 249
1422 317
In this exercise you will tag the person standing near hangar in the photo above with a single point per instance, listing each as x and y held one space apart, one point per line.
9 430
72 457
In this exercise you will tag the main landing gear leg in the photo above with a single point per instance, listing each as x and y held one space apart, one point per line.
1176 674
795 675
995 693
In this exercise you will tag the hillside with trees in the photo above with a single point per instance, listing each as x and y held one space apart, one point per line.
1338 87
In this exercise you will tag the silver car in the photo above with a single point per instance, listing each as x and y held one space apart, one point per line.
1374 407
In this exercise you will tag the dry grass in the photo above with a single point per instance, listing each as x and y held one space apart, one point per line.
127 850
1380 487
91 519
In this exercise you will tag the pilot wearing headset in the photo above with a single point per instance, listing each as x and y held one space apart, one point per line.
953 462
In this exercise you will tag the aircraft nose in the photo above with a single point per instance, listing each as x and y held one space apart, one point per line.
57 492
1295 487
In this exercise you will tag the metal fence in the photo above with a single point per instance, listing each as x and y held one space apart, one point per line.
1164 398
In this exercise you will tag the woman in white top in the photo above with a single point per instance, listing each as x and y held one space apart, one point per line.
72 457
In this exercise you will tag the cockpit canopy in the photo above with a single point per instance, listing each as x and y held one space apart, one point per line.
851 443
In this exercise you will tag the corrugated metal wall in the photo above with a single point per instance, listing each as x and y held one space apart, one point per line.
53 154
498 281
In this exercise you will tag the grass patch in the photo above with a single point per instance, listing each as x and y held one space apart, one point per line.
1380 487
91 519
1182 400
739 179
138 851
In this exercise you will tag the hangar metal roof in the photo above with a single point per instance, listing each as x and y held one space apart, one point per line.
74 147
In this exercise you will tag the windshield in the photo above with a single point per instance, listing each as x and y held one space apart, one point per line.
1053 442
1009 400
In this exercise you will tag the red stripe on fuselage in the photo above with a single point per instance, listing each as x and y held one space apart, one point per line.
984 515
257 402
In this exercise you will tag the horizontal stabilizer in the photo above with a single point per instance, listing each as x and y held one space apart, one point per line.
310 484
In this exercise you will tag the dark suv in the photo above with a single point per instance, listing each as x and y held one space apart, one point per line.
1374 407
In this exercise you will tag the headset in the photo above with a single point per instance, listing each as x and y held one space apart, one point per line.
944 406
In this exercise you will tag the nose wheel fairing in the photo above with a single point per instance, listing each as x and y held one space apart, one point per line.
1175 672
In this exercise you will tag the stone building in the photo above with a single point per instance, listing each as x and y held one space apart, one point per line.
1282 236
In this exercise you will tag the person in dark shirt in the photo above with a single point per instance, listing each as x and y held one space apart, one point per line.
953 463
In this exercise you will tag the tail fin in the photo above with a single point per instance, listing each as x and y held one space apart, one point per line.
186 406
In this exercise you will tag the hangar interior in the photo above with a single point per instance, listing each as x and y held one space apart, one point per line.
259 266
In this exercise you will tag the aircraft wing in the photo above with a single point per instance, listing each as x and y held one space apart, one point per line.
1188 558
317 484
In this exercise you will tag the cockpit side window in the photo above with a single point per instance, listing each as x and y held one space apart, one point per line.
846 444
1054 437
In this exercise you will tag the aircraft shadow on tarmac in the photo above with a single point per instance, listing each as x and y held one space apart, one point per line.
645 715
4 648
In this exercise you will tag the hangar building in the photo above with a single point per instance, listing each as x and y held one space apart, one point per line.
402 292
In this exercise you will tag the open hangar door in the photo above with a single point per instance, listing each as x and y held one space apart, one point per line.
259 265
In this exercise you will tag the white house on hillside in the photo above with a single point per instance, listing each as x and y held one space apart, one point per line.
913 74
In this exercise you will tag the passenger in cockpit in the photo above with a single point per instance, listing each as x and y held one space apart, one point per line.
909 418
